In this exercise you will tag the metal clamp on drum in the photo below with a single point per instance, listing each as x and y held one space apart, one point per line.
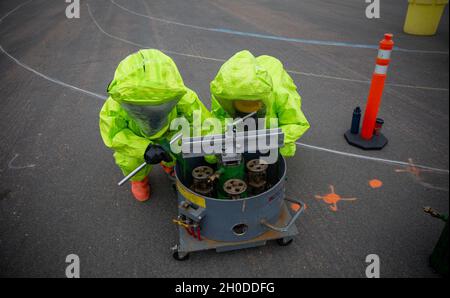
291 222
194 213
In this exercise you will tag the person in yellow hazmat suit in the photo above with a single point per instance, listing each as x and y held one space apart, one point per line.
246 84
146 94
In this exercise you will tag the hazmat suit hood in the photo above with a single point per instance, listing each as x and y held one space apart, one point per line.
241 78
148 86
246 78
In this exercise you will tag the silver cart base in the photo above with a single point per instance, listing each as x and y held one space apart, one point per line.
189 244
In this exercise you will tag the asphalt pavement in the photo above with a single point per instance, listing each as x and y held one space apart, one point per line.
58 192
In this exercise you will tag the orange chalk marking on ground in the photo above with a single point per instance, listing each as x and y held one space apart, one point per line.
412 169
296 207
332 199
375 183
416 173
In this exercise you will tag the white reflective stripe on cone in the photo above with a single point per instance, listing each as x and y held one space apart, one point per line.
384 54
381 69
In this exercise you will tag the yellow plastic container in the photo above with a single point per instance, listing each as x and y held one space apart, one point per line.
423 16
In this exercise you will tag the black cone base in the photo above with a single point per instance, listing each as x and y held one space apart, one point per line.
376 143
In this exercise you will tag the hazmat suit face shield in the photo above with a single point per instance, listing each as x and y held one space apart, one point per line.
242 86
150 118
244 107
237 108
148 85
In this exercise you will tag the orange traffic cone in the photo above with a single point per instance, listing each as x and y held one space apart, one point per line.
367 139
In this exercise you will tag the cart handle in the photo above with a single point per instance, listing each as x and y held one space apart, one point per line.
291 222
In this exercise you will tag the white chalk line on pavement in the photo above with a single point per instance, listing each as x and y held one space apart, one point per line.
322 76
13 167
387 161
366 81
145 46
99 96
56 81
275 37
14 9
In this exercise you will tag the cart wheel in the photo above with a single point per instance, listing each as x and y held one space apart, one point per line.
180 257
285 241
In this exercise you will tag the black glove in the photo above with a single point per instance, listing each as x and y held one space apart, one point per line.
154 154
